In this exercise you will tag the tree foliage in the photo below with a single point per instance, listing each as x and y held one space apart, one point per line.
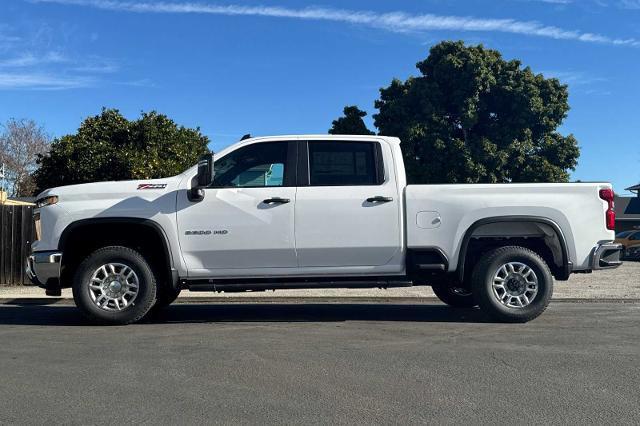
351 123
472 116
110 147
20 144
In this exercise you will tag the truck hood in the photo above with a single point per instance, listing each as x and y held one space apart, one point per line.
111 190
133 198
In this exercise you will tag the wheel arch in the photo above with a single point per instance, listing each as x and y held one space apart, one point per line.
561 269
120 229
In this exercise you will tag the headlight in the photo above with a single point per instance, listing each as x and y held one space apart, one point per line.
46 201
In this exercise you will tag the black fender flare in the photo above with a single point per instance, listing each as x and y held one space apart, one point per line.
128 220
567 265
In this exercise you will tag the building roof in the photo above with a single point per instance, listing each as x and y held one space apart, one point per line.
23 199
628 208
16 201
633 188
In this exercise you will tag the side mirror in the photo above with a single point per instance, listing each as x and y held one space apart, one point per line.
205 170
203 178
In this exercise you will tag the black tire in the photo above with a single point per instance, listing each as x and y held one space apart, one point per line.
166 295
483 291
138 307
456 296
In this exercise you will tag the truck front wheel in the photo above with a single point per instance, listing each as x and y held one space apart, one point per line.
512 284
114 285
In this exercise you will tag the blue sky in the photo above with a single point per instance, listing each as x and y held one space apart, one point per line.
283 66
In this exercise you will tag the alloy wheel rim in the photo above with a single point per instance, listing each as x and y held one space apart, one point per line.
114 286
515 285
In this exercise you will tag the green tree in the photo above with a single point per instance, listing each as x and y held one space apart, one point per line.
110 147
351 123
472 116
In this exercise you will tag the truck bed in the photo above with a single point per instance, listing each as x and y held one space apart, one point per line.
438 216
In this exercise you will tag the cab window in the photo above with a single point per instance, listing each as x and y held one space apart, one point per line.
256 165
344 163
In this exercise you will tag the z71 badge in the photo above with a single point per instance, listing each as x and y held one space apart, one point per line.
152 186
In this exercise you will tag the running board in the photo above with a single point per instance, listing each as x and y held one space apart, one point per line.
239 286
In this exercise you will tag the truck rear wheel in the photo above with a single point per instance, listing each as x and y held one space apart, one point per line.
512 284
454 295
114 285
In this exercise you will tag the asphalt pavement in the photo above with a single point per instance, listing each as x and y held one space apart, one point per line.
323 363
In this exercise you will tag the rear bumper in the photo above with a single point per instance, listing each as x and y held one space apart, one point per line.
607 256
43 269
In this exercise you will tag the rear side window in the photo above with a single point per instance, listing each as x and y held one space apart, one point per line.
344 163
635 236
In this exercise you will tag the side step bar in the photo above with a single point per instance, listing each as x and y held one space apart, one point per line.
239 286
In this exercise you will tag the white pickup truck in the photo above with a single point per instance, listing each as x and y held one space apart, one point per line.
316 211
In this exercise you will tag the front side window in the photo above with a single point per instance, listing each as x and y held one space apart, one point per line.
257 165
343 163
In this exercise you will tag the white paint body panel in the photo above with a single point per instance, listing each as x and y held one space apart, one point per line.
337 227
250 234
120 199
325 231
575 207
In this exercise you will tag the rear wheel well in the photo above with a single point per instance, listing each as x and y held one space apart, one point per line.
541 237
80 240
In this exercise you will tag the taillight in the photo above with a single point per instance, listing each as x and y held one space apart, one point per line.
610 216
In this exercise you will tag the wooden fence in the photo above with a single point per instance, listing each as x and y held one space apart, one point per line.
16 234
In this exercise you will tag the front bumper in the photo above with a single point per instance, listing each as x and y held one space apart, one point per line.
43 269
607 256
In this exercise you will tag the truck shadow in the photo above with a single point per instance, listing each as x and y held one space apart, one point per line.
51 315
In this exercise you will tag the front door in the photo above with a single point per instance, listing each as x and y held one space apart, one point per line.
347 209
246 218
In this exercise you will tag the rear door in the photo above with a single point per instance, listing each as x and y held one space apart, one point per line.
347 210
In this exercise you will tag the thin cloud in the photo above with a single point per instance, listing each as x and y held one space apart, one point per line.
42 81
393 21
96 65
630 4
30 63
29 59
575 78
581 82
143 82
7 41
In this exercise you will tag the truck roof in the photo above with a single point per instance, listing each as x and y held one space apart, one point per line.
389 139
